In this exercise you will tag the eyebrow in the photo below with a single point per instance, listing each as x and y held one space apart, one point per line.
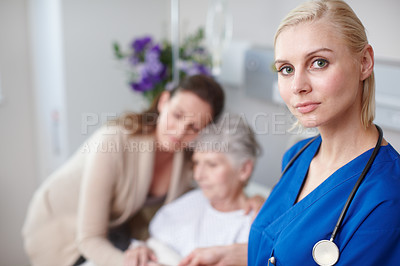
319 50
307 55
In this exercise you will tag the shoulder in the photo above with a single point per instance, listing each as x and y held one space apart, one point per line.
190 202
192 198
381 187
387 165
118 139
385 173
104 136
188 206
388 153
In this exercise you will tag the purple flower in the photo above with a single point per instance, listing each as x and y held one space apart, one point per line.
203 69
192 68
136 86
149 69
140 44
154 68
199 50
144 85
153 55
183 66
170 86
134 60
156 49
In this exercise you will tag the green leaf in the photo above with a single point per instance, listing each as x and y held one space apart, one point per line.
117 51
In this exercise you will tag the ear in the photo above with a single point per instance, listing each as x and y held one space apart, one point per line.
164 98
367 62
245 170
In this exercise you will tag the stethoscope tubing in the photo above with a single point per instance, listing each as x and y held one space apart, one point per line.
352 193
358 183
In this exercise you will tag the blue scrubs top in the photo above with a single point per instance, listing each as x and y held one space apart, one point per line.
370 232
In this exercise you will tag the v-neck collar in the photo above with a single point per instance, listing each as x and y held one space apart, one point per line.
298 172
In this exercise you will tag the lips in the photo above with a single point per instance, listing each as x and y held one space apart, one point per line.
306 107
174 140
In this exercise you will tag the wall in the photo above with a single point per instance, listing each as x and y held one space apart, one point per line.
96 88
48 84
17 157
78 85
57 66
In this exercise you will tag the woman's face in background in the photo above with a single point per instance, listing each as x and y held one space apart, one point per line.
181 119
318 76
216 176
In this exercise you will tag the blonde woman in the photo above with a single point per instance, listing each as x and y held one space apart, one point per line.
325 76
328 207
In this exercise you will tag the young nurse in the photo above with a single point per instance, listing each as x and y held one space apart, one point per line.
325 76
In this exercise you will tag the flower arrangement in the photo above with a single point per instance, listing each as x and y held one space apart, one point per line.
149 63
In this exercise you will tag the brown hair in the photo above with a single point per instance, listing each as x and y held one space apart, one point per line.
346 23
205 87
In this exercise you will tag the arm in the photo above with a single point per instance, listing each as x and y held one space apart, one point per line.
376 241
139 256
373 248
94 209
235 254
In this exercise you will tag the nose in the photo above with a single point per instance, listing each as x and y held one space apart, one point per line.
184 132
198 172
301 82
180 131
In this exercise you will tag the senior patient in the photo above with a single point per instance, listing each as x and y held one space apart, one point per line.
213 214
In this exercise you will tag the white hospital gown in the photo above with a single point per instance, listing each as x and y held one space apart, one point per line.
191 222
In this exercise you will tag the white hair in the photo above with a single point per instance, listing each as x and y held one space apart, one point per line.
230 135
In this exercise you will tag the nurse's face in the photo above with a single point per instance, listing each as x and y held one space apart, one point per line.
180 120
319 78
216 177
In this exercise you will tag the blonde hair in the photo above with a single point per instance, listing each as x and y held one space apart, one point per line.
346 22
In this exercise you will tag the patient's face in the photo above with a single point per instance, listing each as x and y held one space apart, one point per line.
215 176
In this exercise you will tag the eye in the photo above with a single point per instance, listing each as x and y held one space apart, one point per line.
286 70
195 130
177 115
320 63
212 164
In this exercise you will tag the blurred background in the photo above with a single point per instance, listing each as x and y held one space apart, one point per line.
60 81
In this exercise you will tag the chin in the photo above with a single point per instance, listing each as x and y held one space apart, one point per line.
308 122
207 194
166 146
309 125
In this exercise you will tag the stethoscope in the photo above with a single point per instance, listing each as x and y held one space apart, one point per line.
326 252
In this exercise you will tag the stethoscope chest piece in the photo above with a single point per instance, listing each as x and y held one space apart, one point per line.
325 253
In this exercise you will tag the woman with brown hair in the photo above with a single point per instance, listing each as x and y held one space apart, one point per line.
128 165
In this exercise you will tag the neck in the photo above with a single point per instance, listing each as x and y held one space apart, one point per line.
342 144
234 203
164 155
